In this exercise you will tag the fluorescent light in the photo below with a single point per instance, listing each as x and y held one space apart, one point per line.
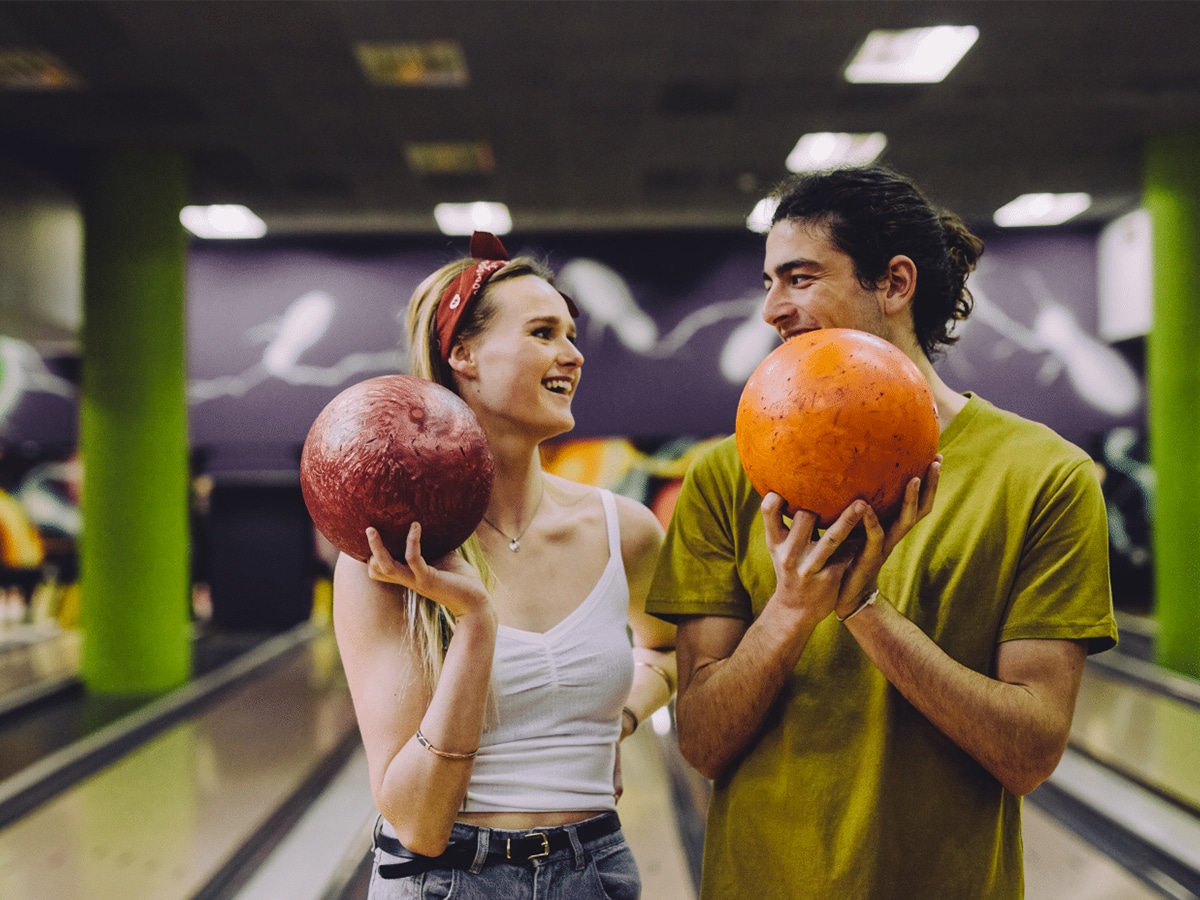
463 218
1041 209
826 149
223 221
915 55
760 217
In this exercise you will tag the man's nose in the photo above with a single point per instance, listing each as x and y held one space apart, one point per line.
775 310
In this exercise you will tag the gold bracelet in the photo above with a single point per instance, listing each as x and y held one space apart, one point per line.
660 672
866 601
444 754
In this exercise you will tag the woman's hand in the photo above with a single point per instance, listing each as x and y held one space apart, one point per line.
450 580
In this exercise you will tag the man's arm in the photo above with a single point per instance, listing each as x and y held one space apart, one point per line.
731 673
1015 725
729 677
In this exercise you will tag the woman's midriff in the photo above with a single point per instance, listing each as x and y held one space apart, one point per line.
516 821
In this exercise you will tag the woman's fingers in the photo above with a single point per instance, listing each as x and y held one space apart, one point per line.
382 566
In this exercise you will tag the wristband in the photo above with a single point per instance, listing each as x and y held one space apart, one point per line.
866 601
626 711
660 672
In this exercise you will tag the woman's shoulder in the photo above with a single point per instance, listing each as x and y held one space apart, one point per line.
639 526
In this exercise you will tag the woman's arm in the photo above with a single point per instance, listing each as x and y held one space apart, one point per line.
654 675
417 790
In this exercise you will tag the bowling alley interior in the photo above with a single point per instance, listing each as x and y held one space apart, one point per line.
213 215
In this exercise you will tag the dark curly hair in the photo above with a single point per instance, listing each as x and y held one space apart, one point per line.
872 214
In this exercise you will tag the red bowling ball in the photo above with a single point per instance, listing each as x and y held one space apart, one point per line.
836 415
392 450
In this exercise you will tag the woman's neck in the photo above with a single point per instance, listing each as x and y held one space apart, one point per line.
518 487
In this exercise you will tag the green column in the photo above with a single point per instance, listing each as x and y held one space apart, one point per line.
1172 194
134 552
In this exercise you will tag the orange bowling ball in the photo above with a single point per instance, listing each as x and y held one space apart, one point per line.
833 416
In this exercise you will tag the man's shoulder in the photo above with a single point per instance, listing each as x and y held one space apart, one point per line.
719 462
1018 437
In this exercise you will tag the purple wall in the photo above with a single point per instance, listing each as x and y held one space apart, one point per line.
669 329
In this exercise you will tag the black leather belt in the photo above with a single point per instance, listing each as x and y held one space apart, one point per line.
461 854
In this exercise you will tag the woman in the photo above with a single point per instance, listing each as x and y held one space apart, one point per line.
492 686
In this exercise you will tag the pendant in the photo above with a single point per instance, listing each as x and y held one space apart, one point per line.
514 545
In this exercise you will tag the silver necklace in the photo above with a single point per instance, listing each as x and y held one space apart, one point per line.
514 543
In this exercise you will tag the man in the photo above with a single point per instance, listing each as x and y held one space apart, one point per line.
882 751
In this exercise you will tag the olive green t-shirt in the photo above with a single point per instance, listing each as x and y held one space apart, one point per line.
849 792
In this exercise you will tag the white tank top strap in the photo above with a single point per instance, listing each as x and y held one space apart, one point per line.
613 523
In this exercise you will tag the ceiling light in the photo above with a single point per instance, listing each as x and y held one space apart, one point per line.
414 64
1041 209
760 217
464 218
224 221
827 149
36 70
915 55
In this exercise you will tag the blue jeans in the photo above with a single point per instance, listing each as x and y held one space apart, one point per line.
599 869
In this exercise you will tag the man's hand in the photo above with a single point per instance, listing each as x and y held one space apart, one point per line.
862 573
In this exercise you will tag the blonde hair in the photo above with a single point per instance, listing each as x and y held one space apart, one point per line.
431 624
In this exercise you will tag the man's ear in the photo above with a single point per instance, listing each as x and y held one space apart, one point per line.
901 284
462 360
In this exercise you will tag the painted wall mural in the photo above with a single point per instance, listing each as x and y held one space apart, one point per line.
669 327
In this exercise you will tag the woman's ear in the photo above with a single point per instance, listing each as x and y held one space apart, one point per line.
462 360
901 284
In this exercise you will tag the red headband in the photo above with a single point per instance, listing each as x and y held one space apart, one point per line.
464 290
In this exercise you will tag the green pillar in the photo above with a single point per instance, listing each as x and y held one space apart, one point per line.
1172 195
134 551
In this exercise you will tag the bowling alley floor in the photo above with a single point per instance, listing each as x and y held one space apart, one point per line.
251 783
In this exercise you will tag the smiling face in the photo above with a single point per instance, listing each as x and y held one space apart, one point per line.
522 371
811 284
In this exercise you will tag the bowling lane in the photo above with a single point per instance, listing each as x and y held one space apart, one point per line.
1059 865
167 819
36 661
1143 722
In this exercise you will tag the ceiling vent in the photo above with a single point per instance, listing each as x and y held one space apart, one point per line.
450 158
417 64
35 70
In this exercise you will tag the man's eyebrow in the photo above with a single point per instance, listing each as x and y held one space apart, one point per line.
786 267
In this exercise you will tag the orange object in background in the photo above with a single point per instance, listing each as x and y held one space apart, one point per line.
836 415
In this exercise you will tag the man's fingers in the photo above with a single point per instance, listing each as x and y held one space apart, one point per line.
929 488
839 544
772 513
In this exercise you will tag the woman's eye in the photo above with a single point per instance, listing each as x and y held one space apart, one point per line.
543 332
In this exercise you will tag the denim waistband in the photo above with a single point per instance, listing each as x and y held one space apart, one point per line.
472 847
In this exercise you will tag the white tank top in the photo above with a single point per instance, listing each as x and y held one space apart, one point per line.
559 697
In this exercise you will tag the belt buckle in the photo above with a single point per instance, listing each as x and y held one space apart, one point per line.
537 834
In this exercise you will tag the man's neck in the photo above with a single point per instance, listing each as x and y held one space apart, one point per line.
949 401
